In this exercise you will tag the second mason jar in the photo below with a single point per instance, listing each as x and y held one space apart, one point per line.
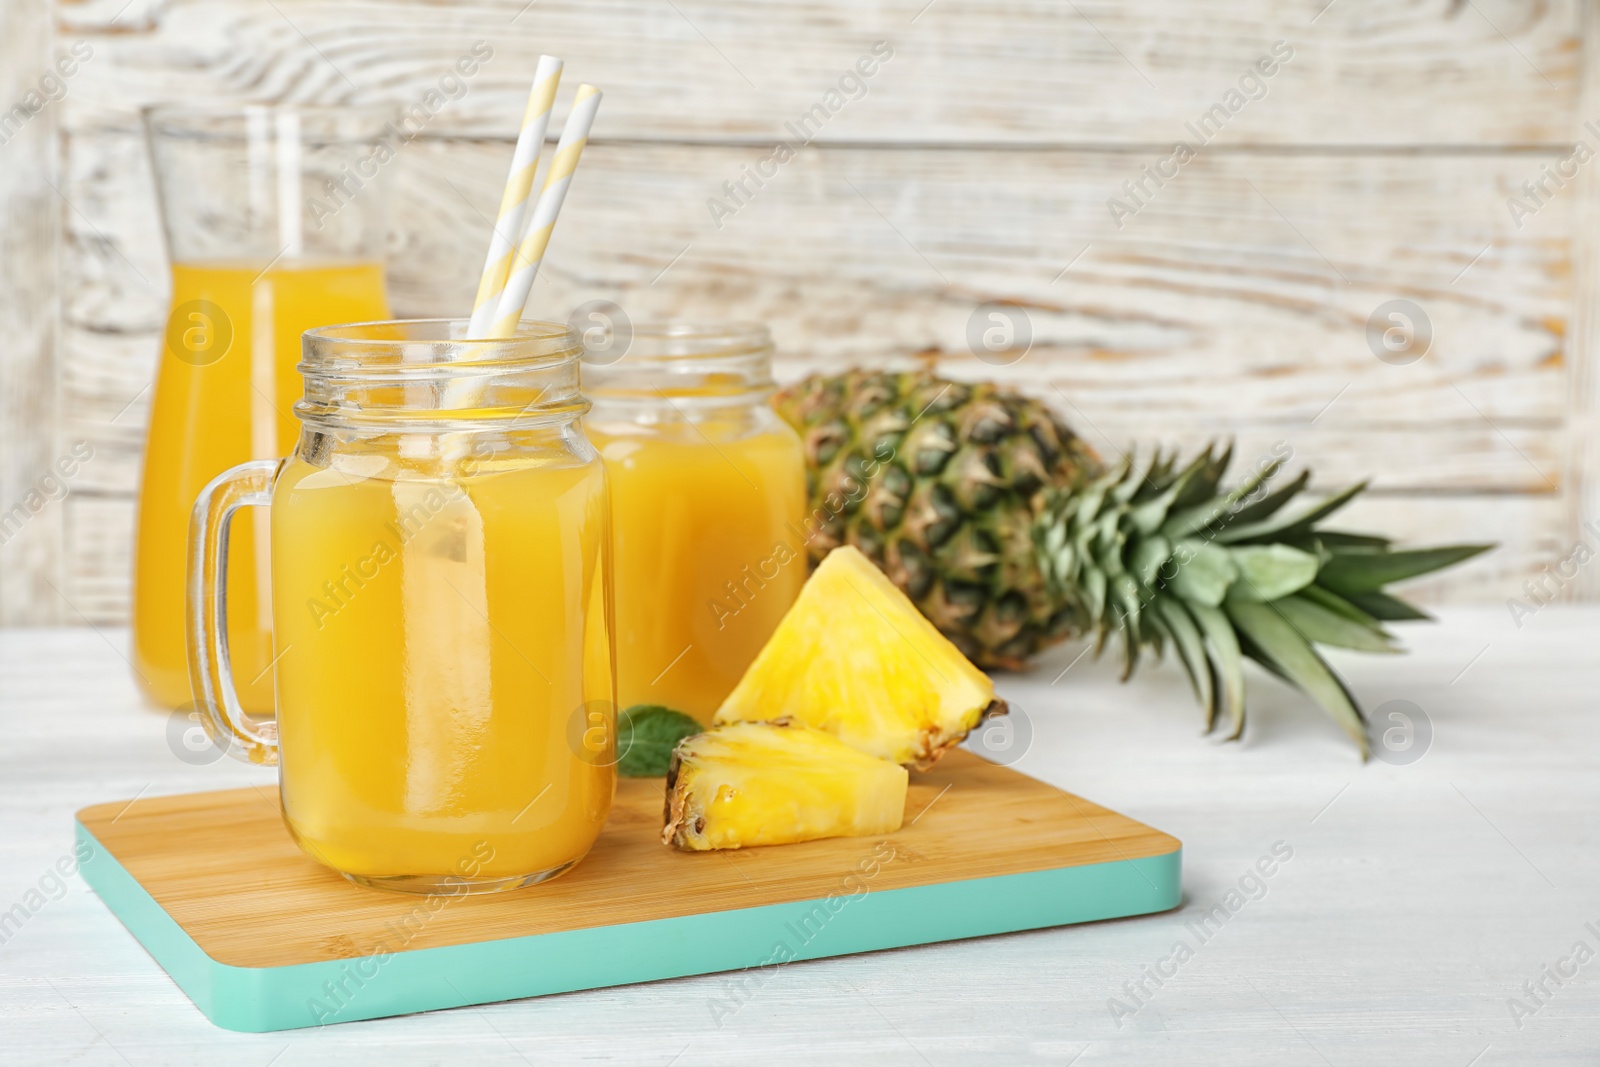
708 505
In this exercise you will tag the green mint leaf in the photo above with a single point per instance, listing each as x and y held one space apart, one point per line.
646 736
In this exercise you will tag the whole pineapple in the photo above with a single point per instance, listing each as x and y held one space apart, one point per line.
1011 535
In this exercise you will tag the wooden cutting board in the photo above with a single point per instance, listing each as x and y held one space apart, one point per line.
261 937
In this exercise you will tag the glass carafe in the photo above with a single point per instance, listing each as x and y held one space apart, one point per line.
274 220
441 602
709 497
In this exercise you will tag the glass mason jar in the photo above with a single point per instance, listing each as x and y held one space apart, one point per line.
708 499
441 598
274 221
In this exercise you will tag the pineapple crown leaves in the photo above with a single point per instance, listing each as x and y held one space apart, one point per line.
1159 554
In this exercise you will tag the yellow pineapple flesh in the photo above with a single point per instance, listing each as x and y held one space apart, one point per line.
773 783
855 658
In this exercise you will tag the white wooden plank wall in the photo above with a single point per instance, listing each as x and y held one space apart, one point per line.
32 515
976 165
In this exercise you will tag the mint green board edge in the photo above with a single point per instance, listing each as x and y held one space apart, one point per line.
258 999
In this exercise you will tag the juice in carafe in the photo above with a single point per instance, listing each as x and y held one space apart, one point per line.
439 640
225 388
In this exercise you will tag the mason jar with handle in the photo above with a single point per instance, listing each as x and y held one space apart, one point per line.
441 599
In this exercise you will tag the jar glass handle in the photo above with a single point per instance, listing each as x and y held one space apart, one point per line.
210 673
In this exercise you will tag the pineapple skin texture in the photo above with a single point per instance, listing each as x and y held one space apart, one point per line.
775 783
939 483
855 658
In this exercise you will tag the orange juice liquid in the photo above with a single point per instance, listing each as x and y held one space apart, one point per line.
445 676
212 409
710 552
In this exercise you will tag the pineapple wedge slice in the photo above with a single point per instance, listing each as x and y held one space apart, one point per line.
771 783
854 657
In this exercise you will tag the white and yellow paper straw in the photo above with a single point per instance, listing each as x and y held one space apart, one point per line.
541 220
514 201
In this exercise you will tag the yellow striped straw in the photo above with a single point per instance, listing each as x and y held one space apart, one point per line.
514 201
541 221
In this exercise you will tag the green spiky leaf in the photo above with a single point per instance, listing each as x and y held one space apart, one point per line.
1388 608
1191 646
1269 504
1324 626
1204 572
1223 645
1197 518
1094 584
1267 572
1283 528
1368 571
1336 539
1339 605
1147 558
1203 486
1292 655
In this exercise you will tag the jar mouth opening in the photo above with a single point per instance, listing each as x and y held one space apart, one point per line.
684 363
431 349
499 420
426 373
698 340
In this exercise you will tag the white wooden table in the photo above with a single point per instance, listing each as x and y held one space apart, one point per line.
1418 901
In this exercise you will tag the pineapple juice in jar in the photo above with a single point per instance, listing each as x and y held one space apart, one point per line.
451 650
441 601
258 257
708 506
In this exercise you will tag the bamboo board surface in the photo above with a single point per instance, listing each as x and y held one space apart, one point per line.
223 867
